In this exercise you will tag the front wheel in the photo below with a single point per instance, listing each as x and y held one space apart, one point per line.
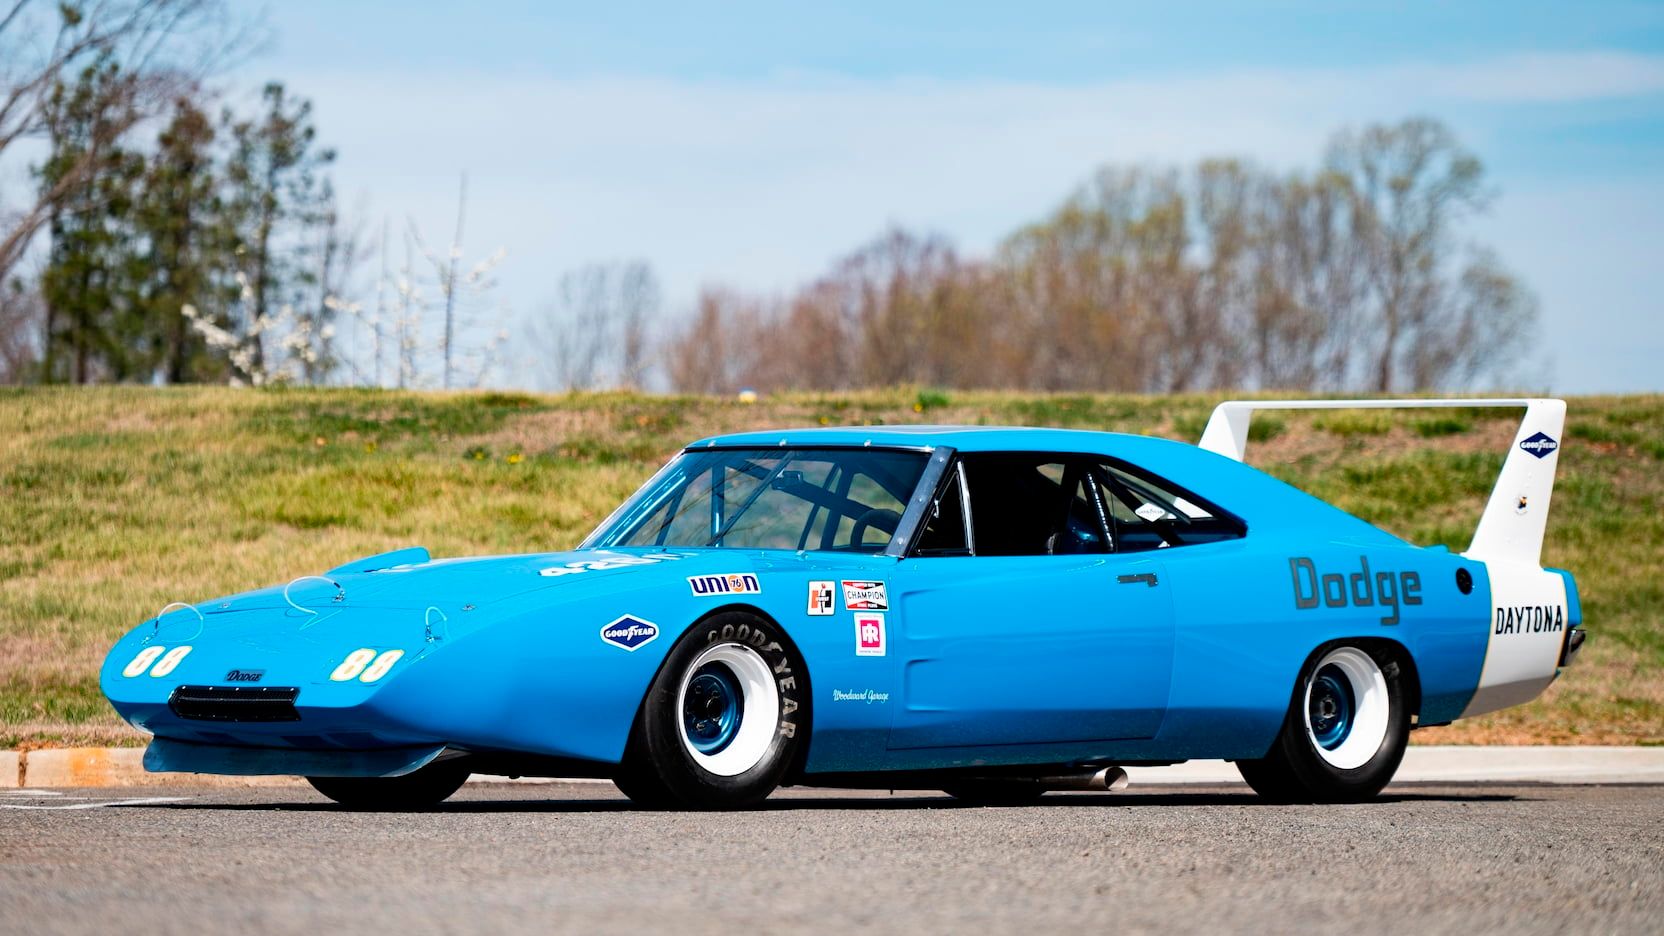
1344 734
722 720
426 786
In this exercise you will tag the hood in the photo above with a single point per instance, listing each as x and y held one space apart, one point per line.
448 582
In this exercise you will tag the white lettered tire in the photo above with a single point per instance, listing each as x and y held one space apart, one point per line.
722 722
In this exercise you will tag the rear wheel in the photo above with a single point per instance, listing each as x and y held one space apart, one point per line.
426 786
1344 734
720 725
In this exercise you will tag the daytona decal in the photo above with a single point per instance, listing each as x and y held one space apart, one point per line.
865 596
820 598
1359 589
1530 619
869 635
630 633
733 583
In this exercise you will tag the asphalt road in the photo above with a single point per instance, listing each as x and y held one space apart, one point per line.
578 858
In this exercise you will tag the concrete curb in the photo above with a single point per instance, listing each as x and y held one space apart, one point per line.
124 767
107 767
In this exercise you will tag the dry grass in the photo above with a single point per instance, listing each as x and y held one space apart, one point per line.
117 500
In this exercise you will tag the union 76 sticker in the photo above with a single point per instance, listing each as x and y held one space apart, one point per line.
869 635
820 598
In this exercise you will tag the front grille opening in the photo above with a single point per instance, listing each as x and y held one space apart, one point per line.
235 703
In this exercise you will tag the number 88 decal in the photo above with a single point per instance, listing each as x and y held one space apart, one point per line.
358 665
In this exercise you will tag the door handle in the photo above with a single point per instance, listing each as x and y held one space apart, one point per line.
1148 578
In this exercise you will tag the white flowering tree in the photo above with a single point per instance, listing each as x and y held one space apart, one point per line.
429 326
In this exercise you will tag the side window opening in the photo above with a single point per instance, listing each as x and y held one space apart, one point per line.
1148 513
1048 505
1033 505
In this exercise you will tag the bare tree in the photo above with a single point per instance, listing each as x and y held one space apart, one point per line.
596 330
461 291
1410 184
21 310
638 305
726 344
164 46
1160 280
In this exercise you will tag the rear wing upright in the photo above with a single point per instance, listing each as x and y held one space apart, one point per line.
1511 529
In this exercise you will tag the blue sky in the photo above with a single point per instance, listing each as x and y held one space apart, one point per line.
751 144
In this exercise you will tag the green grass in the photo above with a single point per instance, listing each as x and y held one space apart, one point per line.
118 500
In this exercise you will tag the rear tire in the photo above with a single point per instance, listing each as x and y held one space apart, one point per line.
723 720
1345 732
426 786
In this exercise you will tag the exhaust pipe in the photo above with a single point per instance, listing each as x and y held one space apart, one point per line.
1097 779
1109 779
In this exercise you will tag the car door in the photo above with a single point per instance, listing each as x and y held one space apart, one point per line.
1022 627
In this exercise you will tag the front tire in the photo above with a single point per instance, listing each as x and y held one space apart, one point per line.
1345 732
722 721
426 786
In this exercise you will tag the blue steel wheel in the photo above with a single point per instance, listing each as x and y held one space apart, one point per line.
729 707
1347 709
1330 707
712 708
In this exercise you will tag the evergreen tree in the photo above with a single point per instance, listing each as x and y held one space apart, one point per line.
93 327
179 220
274 194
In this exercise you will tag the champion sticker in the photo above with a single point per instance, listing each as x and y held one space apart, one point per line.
869 635
733 583
1540 445
865 596
821 598
630 633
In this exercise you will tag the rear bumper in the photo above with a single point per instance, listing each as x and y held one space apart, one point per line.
1573 643
166 755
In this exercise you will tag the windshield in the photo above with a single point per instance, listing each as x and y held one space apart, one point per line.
841 500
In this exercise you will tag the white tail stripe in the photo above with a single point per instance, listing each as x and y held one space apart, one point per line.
1527 628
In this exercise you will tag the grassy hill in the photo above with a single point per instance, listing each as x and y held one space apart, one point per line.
115 501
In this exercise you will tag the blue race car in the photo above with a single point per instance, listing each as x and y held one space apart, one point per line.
990 612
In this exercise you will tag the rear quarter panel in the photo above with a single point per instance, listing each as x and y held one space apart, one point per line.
1251 612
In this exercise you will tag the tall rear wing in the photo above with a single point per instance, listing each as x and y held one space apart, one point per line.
1511 529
